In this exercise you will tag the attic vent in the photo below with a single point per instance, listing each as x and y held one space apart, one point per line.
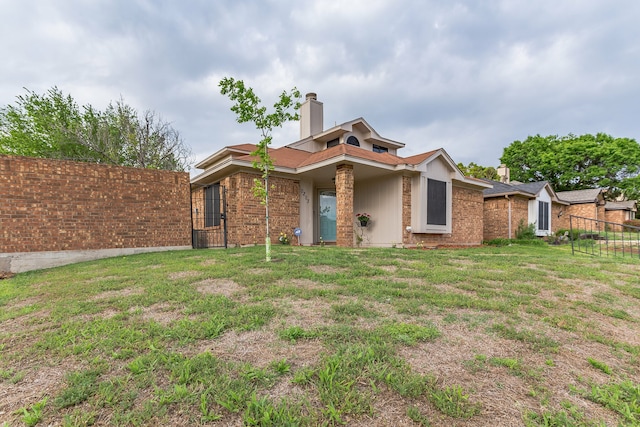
352 140
333 143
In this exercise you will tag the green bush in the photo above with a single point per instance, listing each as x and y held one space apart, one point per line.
631 223
526 232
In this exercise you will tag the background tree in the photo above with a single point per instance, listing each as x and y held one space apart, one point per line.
477 171
248 109
52 125
577 162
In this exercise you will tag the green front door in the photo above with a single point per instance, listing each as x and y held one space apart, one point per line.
327 215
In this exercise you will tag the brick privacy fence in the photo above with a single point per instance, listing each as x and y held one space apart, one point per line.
59 205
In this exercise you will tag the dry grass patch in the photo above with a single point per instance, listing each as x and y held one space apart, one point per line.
225 287
326 269
161 313
183 274
126 292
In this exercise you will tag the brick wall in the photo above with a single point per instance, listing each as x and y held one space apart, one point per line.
585 210
245 213
467 221
496 216
57 205
617 216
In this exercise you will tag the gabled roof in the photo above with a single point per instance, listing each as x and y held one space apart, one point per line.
370 134
590 195
292 160
628 205
527 189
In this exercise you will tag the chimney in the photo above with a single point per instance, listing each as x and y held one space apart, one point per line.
503 173
311 120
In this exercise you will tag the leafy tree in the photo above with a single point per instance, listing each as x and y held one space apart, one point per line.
577 162
52 125
248 109
477 171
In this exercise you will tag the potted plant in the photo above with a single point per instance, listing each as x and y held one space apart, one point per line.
364 218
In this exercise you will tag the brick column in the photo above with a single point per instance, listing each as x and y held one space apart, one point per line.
344 205
406 209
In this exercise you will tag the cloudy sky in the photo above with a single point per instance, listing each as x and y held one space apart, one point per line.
469 76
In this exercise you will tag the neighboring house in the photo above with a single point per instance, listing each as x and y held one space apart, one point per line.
509 204
320 182
619 212
588 203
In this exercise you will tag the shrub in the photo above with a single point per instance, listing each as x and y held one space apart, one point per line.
631 223
526 232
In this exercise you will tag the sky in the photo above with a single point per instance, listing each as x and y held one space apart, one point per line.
468 76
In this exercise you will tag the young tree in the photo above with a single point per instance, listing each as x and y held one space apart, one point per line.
248 109
53 126
577 162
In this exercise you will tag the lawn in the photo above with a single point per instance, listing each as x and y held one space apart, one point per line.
516 335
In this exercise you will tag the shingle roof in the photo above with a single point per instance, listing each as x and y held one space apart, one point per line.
527 189
589 195
294 158
628 205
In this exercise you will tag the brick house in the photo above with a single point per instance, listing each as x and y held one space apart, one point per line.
619 212
588 203
320 182
508 204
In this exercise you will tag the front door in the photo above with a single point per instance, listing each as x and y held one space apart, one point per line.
327 215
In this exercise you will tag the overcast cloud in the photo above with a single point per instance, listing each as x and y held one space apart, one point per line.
469 76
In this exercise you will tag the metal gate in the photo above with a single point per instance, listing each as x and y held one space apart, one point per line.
603 238
214 235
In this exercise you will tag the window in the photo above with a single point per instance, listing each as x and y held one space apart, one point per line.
436 202
380 149
352 140
333 143
543 216
212 205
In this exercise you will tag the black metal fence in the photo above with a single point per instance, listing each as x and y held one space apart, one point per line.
212 238
603 238
214 235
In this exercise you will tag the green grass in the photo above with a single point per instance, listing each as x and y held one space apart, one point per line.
325 336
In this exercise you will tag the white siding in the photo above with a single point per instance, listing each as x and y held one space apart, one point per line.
307 202
382 199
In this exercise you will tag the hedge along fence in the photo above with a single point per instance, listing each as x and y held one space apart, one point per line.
58 205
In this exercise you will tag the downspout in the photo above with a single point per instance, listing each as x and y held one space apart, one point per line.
509 210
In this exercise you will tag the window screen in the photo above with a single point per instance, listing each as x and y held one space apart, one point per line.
436 202
543 215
